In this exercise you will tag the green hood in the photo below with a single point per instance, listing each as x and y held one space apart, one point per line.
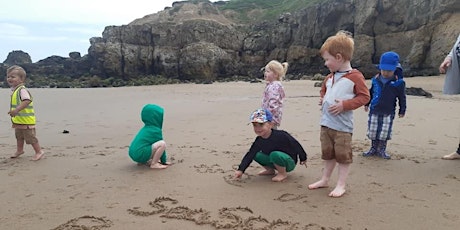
152 115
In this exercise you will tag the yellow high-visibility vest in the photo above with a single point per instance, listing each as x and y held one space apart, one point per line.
25 116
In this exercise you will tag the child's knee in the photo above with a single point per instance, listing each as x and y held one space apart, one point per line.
160 144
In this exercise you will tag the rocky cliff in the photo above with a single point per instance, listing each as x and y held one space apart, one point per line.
199 41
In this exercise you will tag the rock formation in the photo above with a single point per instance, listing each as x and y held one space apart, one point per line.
17 57
197 41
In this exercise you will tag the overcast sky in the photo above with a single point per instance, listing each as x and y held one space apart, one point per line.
43 28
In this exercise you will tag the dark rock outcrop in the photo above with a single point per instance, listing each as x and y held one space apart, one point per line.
17 57
415 91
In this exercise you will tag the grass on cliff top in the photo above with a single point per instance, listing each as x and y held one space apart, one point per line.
267 9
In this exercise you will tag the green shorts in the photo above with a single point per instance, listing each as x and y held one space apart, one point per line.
276 157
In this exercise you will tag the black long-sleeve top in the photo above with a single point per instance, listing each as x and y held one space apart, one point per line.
279 140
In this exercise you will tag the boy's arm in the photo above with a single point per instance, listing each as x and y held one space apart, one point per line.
297 148
23 105
247 159
360 90
402 99
25 98
20 107
323 89
370 93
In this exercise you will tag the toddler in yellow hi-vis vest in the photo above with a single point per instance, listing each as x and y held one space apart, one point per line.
22 113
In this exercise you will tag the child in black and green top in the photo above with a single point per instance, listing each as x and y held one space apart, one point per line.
276 150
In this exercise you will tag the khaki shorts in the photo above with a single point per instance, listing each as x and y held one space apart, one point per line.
26 134
336 145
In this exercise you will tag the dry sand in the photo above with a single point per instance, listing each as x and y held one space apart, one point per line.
87 180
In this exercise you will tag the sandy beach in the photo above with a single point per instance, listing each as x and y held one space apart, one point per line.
87 180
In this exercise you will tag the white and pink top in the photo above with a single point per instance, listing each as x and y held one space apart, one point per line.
273 100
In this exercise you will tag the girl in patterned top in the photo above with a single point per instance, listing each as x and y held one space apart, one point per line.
273 95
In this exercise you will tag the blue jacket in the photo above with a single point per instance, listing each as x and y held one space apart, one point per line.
383 96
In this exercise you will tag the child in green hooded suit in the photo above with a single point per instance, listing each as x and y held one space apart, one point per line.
148 146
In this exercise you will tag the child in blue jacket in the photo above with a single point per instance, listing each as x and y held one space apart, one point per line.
387 88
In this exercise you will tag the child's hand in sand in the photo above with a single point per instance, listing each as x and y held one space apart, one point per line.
238 175
304 163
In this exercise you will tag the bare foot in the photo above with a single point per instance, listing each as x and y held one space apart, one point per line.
318 184
167 163
266 172
158 166
17 154
337 192
451 156
279 178
38 156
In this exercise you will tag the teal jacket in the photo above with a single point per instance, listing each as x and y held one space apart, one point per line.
140 149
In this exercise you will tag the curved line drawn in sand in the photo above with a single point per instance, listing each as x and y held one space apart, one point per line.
228 218
235 220
199 216
203 168
290 197
85 222
239 182
229 179
156 204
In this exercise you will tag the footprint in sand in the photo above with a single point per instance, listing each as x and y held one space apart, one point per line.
290 197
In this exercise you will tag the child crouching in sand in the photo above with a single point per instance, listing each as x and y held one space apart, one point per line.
275 150
148 146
